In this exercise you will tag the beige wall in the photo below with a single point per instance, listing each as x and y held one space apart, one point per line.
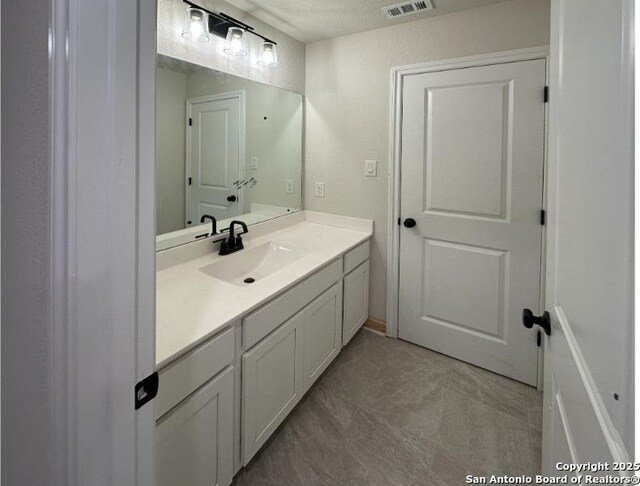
291 56
347 103
171 95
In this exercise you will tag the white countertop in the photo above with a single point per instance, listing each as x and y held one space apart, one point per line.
192 306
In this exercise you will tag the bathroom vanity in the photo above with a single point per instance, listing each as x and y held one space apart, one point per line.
234 358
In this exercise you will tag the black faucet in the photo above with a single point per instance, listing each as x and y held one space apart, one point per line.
213 223
234 243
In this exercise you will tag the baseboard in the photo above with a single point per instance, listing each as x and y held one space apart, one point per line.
376 325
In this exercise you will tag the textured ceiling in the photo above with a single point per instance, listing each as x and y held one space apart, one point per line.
312 20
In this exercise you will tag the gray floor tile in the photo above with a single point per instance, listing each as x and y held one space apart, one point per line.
534 407
279 464
411 401
491 389
387 412
485 437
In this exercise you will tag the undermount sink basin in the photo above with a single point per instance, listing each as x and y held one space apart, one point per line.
250 265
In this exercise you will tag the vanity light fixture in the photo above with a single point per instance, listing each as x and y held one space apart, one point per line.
195 27
200 22
236 43
268 54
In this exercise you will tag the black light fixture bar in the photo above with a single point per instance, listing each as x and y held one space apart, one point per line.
220 28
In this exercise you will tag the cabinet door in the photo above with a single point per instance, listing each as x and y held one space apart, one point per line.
272 383
356 301
194 441
322 333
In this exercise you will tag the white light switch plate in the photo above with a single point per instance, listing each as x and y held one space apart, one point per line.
254 163
291 186
319 189
371 168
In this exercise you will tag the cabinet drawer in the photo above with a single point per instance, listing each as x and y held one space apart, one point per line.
258 325
182 378
194 443
356 256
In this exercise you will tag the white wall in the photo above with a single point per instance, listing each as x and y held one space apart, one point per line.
26 349
291 56
171 89
347 104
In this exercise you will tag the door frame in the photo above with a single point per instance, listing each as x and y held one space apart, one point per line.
241 95
395 152
102 255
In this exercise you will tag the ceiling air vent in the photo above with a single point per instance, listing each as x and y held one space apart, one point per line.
407 8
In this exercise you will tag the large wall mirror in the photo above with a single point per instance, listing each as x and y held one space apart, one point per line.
227 147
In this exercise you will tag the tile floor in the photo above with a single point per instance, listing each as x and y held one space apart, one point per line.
387 412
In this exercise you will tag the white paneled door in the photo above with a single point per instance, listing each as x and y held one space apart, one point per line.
471 199
213 156
589 358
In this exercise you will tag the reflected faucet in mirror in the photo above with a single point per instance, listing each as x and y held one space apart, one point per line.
234 243
205 217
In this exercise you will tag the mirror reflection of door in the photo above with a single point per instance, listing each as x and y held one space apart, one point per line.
215 138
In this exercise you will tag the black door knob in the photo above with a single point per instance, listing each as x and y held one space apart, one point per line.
409 223
544 321
231 198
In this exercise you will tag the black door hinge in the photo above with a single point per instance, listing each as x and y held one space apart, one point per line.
189 180
399 221
146 390
543 217
546 94
190 121
539 339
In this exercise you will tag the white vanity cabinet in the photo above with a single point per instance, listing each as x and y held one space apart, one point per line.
356 291
280 367
356 301
322 333
219 403
272 383
195 416
279 370
194 441
291 351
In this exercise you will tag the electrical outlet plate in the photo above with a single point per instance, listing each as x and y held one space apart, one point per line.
319 189
371 168
291 186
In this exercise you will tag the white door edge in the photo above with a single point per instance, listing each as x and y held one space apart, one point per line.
614 441
241 96
393 210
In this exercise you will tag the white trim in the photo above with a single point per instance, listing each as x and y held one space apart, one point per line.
146 222
241 95
397 77
102 238
614 440
60 76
